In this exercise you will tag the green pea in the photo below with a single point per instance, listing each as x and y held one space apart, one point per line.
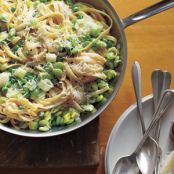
4 89
110 74
80 17
35 93
102 84
99 98
44 123
33 125
109 43
75 8
58 73
95 33
75 51
44 129
15 48
3 17
87 38
13 9
58 65
49 67
86 43
93 87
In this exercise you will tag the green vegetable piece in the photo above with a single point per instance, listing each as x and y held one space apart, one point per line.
110 74
49 67
98 44
88 108
47 116
20 72
110 43
112 53
58 65
27 94
86 43
50 57
80 17
36 93
45 85
44 123
102 84
13 9
58 121
95 33
94 46
12 32
99 98
101 44
117 61
15 48
3 17
58 73
58 114
62 122
4 89
110 64
41 114
75 8
69 2
44 129
3 36
67 118
33 125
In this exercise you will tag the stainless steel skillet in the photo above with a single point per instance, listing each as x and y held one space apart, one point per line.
118 31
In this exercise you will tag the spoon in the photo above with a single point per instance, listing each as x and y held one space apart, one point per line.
146 157
128 164
161 80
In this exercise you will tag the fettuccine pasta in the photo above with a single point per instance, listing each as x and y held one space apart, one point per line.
57 59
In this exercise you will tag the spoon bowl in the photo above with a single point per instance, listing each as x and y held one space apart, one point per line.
146 158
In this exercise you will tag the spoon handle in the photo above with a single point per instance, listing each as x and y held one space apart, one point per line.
165 85
164 103
136 78
161 81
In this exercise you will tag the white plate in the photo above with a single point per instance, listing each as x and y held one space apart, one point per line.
126 134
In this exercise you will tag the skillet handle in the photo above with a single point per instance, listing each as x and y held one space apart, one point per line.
150 11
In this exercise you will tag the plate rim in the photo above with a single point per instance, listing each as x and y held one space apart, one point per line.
116 127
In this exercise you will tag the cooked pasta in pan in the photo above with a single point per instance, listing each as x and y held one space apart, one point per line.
57 59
